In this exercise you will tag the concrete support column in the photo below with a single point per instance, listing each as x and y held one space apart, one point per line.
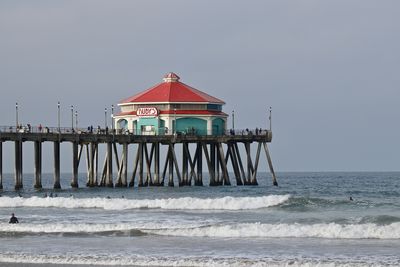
140 182
157 164
217 172
18 165
57 184
170 168
185 155
38 164
274 181
199 156
1 165
96 168
125 165
75 162
212 160
249 164
109 179
92 153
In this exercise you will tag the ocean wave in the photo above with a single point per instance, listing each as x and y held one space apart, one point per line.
380 219
185 203
135 260
259 230
83 228
240 230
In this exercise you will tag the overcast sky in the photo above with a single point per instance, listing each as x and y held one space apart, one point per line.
329 69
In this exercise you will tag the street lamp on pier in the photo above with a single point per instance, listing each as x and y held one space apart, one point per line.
58 116
76 119
105 118
112 117
270 118
233 120
72 118
16 116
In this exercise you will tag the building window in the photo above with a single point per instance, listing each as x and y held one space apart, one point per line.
214 107
123 124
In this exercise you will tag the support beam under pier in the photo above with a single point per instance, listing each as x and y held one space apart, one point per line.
38 164
109 177
271 168
1 165
18 165
57 184
75 164
199 155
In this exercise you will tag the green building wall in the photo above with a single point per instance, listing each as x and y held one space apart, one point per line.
218 126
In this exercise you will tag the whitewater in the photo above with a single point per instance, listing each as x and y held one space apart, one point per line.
186 203
244 230
309 220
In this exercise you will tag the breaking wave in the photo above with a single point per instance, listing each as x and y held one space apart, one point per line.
185 203
259 230
241 230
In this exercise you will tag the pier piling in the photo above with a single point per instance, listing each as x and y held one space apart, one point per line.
38 164
75 165
56 147
18 164
1 165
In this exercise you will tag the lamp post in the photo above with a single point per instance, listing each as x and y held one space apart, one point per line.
58 116
233 120
76 119
112 117
72 118
270 118
16 116
105 118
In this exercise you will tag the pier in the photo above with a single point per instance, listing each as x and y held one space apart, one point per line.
216 153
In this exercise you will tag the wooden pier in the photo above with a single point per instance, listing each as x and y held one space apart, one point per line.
216 153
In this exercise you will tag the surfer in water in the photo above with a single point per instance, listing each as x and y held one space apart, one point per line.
13 219
351 199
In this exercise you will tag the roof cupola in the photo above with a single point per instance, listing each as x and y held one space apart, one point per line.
171 77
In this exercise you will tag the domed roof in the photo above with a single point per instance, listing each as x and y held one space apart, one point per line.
171 90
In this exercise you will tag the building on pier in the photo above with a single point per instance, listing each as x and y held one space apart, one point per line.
171 107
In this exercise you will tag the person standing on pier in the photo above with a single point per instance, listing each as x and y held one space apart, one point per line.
13 219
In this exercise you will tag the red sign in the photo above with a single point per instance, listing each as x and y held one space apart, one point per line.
147 112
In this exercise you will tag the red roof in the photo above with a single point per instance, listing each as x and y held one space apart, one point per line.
173 91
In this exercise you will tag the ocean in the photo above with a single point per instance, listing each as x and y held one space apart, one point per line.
308 220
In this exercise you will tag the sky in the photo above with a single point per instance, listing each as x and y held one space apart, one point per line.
329 69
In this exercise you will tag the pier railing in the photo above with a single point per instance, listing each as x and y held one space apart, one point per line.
99 130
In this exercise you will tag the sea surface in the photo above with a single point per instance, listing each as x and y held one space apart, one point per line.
308 220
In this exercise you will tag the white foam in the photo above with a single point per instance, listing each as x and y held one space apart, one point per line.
327 230
185 203
201 229
77 227
133 260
